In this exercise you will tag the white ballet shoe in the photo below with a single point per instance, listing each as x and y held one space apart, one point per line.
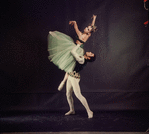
90 114
70 112
60 87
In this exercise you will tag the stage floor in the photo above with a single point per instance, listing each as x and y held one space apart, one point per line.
76 133
103 121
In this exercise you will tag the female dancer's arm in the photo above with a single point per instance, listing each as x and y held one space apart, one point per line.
93 21
75 27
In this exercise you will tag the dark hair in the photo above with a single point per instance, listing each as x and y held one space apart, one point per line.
92 59
94 28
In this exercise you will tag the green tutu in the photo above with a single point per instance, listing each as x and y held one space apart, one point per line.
59 48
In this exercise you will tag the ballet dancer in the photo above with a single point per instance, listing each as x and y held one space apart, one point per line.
70 57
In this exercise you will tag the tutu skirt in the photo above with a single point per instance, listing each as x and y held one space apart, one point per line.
59 48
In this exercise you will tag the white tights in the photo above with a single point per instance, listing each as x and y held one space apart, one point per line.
73 86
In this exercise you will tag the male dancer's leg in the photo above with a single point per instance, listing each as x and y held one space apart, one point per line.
77 91
69 92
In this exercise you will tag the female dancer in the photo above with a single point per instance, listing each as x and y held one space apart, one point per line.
69 57
81 39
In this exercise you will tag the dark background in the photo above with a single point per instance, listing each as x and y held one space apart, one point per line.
117 80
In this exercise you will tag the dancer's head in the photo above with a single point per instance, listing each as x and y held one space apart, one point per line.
90 57
90 29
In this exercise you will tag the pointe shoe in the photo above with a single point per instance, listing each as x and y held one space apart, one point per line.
70 112
61 86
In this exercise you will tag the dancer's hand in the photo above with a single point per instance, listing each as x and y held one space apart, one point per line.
94 16
72 22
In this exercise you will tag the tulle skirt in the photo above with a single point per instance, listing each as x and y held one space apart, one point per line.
59 48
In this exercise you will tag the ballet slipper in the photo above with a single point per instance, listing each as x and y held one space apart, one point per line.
90 114
60 87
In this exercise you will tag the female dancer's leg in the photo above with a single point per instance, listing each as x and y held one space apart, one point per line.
63 82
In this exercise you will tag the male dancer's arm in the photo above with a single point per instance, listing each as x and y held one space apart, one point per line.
78 58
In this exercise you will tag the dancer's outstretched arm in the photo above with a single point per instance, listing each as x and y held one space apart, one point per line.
94 19
74 23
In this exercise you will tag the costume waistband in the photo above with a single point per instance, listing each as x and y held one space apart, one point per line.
74 74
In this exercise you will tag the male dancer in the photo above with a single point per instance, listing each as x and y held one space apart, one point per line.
73 79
